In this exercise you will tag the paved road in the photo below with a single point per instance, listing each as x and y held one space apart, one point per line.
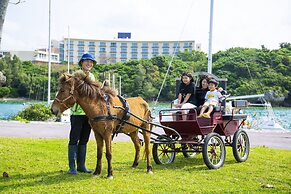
278 140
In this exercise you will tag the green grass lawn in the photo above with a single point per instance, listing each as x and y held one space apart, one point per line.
40 166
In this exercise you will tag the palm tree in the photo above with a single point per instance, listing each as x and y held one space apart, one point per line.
3 8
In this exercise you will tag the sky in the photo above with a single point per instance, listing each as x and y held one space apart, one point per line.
236 23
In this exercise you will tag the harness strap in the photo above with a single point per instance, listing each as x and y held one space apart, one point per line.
122 121
104 118
124 118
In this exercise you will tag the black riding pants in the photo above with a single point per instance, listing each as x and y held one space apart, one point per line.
80 130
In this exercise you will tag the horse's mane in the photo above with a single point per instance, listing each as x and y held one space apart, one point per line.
88 87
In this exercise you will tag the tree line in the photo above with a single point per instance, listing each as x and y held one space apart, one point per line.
248 70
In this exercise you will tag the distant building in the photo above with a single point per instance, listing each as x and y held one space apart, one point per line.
120 50
39 56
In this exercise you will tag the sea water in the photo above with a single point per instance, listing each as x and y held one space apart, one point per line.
281 115
8 110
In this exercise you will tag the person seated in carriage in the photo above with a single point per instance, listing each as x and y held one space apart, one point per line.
201 90
212 98
186 95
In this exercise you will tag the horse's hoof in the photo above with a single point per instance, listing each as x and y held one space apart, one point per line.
95 175
110 177
150 172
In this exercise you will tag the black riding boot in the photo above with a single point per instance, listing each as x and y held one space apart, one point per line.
81 157
72 152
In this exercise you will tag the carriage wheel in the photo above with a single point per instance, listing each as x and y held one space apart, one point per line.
164 153
213 151
241 146
186 153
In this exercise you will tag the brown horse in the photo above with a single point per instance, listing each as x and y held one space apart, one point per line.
98 102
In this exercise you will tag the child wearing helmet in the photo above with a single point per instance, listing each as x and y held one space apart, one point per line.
211 99
80 128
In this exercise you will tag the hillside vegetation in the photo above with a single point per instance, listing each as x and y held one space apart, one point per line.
248 70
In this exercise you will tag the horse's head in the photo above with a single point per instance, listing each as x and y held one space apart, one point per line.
66 96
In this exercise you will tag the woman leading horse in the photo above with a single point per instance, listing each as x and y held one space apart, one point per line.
98 104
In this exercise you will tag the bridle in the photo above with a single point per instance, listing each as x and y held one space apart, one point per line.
62 102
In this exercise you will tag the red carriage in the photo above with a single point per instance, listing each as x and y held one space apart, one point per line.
207 135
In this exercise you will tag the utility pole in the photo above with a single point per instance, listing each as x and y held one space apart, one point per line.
68 49
210 39
49 59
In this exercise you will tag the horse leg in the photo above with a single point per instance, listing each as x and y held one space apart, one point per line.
135 139
100 143
108 144
147 137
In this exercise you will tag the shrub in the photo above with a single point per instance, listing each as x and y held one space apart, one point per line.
35 112
4 92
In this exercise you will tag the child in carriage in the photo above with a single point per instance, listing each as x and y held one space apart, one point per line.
212 98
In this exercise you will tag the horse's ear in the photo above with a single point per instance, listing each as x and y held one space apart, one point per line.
66 76
106 83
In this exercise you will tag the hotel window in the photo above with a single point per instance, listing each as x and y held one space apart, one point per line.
91 49
176 45
92 44
134 56
54 57
123 44
144 45
80 49
134 45
166 45
144 50
113 49
113 56
81 43
123 50
102 44
134 50
186 45
123 56
155 45
165 51
113 44
42 56
103 56
102 50
71 47
123 60
144 56
155 51
80 54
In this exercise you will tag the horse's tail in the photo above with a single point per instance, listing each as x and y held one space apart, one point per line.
148 114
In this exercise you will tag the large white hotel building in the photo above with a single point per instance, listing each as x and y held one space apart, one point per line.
120 50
